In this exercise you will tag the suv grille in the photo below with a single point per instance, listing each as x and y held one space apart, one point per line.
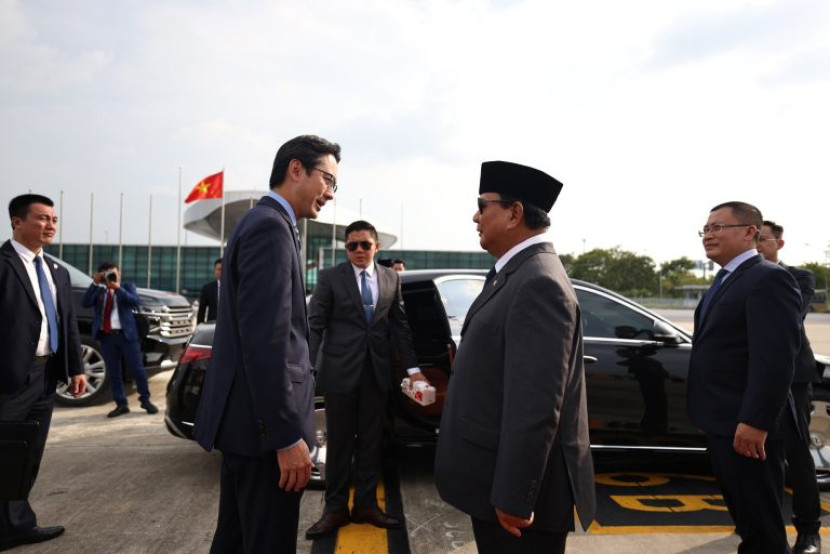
171 323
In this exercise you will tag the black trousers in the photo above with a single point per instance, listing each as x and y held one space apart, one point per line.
754 494
802 468
491 538
255 515
33 402
354 422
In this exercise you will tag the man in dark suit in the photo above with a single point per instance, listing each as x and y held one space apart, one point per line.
39 345
513 448
747 334
113 326
800 464
257 403
357 319
210 295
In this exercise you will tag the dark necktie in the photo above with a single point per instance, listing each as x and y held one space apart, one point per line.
366 296
490 275
710 294
107 323
48 304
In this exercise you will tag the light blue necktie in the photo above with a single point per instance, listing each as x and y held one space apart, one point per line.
48 305
710 294
366 296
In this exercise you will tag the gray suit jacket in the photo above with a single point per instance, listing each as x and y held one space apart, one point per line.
340 337
514 432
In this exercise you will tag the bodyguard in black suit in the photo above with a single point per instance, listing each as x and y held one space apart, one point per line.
257 403
39 344
209 297
800 464
357 321
747 335
513 449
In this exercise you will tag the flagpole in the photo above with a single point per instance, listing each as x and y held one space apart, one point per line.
121 231
179 236
91 214
150 243
222 220
60 229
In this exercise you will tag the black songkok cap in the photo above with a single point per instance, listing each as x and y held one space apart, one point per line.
519 181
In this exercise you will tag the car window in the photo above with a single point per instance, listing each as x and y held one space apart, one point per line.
604 317
78 278
457 294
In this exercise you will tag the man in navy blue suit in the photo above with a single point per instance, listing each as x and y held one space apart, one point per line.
39 345
747 335
113 325
800 464
257 403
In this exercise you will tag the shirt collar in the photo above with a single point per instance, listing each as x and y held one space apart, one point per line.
535 239
284 203
24 252
369 270
739 259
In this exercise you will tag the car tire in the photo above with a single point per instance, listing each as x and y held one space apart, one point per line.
97 383
318 452
820 435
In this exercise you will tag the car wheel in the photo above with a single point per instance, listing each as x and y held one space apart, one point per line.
318 452
820 435
97 385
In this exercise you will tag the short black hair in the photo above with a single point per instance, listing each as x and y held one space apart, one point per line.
746 213
398 261
217 261
361 225
535 217
106 266
306 148
777 230
19 205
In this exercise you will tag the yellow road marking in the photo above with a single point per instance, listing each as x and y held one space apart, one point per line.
363 538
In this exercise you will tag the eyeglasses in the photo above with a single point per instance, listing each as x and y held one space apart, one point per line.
762 238
363 244
330 179
483 203
718 227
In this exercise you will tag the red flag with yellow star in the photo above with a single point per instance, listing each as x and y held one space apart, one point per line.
209 187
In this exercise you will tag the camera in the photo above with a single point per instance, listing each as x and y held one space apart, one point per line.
111 276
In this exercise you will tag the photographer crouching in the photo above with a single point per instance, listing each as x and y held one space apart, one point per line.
113 325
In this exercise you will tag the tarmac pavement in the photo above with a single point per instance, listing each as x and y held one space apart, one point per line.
125 485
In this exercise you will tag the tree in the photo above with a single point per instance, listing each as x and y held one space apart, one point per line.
820 272
619 270
675 273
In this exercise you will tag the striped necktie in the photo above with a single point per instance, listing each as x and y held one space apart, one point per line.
48 304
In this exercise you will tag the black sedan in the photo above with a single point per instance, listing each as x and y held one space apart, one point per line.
636 365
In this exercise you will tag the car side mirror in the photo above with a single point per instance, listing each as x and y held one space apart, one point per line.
664 332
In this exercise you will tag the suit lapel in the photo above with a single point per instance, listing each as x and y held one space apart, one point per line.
352 288
733 278
13 259
501 278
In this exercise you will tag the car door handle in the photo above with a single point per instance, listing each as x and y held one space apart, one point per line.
590 359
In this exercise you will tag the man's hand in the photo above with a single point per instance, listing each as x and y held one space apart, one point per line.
78 385
512 524
418 377
749 441
295 467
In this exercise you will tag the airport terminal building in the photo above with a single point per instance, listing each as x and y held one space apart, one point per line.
157 266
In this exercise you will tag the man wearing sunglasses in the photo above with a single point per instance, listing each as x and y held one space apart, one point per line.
513 449
357 324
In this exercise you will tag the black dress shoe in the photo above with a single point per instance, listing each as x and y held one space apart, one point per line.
36 534
121 409
328 524
150 407
808 543
375 517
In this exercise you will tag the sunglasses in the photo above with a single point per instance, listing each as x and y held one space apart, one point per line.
363 244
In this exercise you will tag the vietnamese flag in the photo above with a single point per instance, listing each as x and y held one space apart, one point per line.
209 187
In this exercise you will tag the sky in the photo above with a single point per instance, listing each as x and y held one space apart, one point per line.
649 112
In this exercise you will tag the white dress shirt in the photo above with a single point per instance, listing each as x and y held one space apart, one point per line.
28 259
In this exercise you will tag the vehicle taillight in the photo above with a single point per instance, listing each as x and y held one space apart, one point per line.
194 353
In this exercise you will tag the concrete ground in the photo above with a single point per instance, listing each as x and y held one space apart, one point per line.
125 485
